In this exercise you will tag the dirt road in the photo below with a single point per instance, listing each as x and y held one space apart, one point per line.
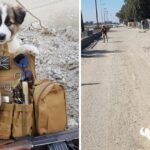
116 92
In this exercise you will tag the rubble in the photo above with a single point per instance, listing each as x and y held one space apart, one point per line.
58 60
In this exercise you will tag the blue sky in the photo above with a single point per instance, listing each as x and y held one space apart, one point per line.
112 6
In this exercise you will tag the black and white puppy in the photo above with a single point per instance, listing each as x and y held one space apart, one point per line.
10 20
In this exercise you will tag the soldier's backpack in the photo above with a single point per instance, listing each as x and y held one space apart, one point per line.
46 111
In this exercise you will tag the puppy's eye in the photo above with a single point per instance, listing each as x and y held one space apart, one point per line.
9 23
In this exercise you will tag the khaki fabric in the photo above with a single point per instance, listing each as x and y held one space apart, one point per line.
8 75
50 107
6 114
15 119
22 120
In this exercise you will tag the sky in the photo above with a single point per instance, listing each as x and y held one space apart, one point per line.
110 6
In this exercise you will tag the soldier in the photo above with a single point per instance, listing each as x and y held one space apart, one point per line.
104 33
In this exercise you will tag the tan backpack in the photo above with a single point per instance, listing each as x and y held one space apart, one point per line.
15 119
50 107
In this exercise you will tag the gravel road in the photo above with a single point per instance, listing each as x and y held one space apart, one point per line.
116 92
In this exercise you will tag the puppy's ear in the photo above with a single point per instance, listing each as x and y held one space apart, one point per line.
20 14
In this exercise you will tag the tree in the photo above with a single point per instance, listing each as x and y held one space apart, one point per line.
134 10
121 14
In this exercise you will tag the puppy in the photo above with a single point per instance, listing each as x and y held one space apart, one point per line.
10 20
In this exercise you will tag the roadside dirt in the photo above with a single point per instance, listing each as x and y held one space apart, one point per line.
116 92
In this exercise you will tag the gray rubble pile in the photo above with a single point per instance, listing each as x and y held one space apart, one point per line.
58 60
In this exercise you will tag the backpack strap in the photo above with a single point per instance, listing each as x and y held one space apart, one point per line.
39 89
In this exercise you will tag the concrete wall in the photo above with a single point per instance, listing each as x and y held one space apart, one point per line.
55 13
90 39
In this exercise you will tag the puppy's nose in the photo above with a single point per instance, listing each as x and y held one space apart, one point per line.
2 36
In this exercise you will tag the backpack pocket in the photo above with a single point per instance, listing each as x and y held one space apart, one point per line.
22 120
50 107
6 113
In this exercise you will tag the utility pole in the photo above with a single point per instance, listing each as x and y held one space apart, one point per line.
101 10
82 23
96 12
105 14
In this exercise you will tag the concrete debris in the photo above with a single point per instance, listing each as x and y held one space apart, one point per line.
58 60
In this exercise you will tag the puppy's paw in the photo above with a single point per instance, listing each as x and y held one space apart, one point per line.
32 50
29 49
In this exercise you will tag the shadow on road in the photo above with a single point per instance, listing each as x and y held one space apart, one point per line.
112 31
86 84
97 53
117 41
